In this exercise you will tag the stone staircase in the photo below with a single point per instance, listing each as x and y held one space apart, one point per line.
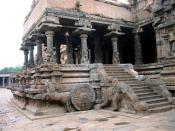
156 102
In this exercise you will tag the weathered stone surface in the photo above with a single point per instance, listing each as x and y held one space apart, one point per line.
97 34
12 119
83 97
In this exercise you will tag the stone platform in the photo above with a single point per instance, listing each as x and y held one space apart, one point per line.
102 120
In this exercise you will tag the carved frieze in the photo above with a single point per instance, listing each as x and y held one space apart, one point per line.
83 23
114 27
163 13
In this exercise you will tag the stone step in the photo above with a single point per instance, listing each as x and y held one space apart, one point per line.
149 97
76 75
119 73
136 84
159 104
156 100
116 72
160 109
140 87
139 94
143 90
122 77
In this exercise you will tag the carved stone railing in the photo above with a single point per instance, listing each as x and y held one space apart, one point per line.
160 88
150 70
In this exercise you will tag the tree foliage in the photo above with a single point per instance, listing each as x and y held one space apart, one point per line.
11 69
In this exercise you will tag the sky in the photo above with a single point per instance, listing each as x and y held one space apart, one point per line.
13 13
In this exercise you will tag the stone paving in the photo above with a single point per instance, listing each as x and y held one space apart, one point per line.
13 120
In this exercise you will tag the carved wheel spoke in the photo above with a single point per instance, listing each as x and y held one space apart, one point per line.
82 97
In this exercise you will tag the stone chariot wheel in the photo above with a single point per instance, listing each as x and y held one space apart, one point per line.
82 97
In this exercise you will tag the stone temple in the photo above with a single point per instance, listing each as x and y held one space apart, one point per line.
97 54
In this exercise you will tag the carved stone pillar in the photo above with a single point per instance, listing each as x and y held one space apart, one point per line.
9 81
159 45
115 59
39 52
138 48
25 49
84 49
31 59
115 32
26 62
3 81
50 49
98 50
69 51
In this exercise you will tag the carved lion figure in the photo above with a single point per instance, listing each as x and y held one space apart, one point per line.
112 96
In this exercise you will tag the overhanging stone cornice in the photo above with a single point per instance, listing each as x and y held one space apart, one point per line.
74 15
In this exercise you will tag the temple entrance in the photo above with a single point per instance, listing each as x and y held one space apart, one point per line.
148 41
107 51
126 46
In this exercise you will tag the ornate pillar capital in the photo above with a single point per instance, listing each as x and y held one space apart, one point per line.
115 30
84 23
83 36
114 38
25 49
49 22
84 26
31 48
49 33
38 42
114 27
137 30
30 44
36 35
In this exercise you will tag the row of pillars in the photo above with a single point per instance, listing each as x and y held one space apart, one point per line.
3 81
29 51
137 46
84 50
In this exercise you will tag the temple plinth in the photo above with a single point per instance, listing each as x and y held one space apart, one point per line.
88 53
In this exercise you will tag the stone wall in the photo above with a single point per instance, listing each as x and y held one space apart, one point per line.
34 15
91 7
142 11
94 7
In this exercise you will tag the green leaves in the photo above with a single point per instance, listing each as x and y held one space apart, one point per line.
11 69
